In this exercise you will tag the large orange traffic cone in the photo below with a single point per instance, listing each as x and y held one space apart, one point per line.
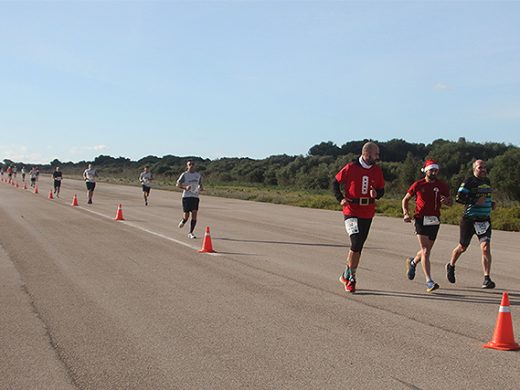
50 195
36 189
119 214
207 246
75 200
503 337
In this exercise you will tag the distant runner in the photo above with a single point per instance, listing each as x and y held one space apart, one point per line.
89 175
9 173
57 176
362 183
430 193
145 178
476 194
191 182
33 175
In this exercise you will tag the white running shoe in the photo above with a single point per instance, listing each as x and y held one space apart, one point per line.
192 236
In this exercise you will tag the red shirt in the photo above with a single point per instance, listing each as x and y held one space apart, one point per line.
428 197
357 182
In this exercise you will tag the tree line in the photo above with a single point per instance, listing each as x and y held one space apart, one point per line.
400 160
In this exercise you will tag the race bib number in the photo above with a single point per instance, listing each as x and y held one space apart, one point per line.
351 225
481 227
431 220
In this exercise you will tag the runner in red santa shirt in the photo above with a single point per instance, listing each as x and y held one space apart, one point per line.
356 187
430 193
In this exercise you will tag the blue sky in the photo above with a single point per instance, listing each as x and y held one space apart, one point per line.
252 78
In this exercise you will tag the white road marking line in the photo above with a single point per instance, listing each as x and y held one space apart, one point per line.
145 230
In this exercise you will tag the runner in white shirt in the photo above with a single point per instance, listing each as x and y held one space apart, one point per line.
191 182
145 178
89 175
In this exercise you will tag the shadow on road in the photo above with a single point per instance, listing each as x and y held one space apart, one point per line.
283 242
468 296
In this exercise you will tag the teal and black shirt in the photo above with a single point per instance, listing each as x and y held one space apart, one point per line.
468 194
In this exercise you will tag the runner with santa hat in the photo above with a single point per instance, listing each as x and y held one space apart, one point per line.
430 193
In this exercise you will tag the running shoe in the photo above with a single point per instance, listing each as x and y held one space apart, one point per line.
350 284
192 236
431 286
410 268
488 283
89 202
182 223
450 273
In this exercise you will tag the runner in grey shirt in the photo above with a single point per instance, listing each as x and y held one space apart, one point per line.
89 175
145 178
191 182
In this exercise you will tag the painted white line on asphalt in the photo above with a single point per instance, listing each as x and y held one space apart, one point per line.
145 230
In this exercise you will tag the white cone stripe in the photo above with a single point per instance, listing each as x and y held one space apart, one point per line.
504 309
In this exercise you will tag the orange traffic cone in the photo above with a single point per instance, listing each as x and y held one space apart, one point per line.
36 189
207 246
24 186
503 337
17 186
50 195
119 214
75 200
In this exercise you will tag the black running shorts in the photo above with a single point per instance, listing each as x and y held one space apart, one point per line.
190 204
357 240
429 231
467 230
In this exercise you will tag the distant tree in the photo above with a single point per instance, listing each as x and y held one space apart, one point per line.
354 146
325 149
396 150
409 172
148 160
504 173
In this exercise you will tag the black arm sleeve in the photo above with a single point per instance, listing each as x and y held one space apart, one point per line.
380 192
337 191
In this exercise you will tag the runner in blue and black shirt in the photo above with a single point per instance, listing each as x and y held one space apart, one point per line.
476 195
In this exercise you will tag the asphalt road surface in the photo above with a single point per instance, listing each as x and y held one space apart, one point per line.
92 303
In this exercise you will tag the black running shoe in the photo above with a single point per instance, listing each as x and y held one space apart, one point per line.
488 283
450 273
410 267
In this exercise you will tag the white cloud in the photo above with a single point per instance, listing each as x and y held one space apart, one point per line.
75 150
441 87
99 147
21 153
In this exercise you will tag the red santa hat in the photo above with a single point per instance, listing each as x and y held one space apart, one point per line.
429 164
